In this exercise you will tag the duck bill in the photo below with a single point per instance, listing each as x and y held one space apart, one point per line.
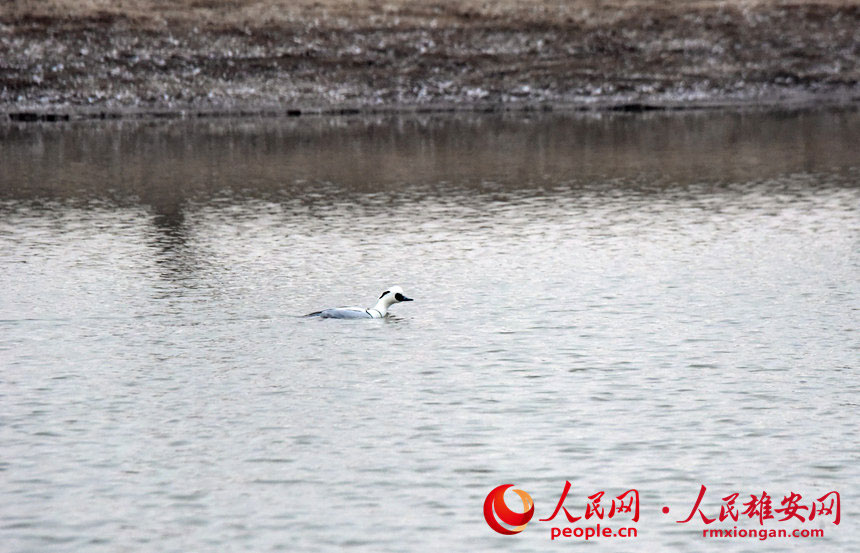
407 299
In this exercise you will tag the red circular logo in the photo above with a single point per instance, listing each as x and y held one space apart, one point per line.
495 511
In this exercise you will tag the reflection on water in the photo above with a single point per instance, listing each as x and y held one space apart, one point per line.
655 301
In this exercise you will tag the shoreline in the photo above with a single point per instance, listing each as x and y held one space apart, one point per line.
65 60
86 113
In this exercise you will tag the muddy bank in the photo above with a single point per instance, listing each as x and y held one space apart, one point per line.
91 59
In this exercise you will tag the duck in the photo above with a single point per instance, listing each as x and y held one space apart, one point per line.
386 299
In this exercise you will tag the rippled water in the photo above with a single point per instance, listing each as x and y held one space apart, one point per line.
652 302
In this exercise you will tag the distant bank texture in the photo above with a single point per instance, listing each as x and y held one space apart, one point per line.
91 58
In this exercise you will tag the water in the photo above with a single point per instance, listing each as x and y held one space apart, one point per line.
652 302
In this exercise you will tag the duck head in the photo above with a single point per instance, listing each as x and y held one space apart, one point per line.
390 297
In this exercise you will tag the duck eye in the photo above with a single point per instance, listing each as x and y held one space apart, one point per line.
383 294
398 296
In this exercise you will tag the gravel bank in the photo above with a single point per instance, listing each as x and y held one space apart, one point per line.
149 57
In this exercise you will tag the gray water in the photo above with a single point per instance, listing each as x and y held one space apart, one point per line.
630 301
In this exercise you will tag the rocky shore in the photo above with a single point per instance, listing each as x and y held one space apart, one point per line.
61 59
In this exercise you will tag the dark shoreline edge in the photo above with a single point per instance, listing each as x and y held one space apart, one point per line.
77 113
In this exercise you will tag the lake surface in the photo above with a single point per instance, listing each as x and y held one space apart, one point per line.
653 301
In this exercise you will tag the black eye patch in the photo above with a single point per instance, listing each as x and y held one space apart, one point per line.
383 294
398 296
